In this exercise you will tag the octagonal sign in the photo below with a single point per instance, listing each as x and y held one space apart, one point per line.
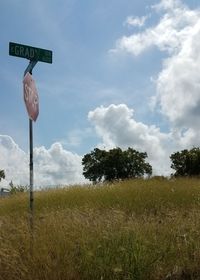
31 97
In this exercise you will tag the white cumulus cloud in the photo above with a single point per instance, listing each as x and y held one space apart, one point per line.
172 30
13 161
57 166
53 166
177 34
117 127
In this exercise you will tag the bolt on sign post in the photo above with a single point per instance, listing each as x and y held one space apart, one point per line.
31 98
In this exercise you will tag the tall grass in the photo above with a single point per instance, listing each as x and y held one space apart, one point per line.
138 229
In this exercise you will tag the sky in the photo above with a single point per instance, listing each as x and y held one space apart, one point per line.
125 74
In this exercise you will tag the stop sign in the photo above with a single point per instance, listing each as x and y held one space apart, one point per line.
31 97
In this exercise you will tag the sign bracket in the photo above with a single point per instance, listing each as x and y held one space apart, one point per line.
30 67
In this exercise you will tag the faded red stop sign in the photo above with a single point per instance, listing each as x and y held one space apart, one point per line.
31 97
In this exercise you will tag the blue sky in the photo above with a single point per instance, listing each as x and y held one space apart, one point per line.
112 82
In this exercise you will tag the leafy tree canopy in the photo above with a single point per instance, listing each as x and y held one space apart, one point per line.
186 162
2 174
100 165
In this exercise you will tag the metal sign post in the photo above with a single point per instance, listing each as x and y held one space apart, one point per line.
31 100
31 167
29 69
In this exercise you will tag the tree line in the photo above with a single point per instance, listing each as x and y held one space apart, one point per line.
117 164
100 165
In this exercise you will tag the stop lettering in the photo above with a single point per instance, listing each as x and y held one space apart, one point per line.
31 97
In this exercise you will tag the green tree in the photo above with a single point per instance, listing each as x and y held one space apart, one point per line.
93 165
100 165
2 174
186 162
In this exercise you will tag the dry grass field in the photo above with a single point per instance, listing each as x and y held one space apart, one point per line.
137 229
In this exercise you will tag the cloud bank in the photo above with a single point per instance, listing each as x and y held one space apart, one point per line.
53 166
116 127
177 98
177 34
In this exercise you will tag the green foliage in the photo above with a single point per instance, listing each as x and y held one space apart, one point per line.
2 174
186 162
17 189
100 165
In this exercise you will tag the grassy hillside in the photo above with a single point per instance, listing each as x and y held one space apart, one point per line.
140 229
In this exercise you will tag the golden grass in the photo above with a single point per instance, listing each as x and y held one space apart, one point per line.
137 229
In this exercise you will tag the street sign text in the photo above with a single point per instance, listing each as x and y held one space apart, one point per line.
31 53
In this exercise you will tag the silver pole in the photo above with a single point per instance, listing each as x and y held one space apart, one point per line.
31 169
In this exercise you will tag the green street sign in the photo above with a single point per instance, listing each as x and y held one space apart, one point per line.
31 53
